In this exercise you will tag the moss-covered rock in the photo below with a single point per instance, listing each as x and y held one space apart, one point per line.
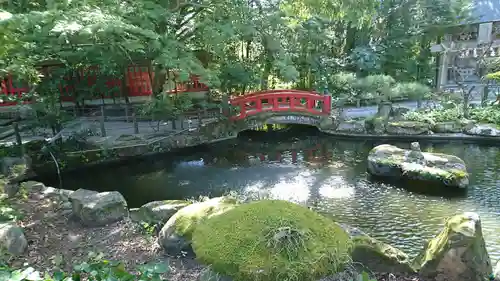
158 211
390 161
447 127
375 255
376 125
272 240
458 252
407 128
351 127
484 130
175 236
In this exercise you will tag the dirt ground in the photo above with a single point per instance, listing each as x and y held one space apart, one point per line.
58 241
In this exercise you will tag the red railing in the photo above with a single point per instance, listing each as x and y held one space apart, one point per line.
280 101
137 82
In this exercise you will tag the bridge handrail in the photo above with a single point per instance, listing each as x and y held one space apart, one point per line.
274 91
278 95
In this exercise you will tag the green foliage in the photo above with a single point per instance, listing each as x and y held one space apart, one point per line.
489 114
95 269
412 90
271 240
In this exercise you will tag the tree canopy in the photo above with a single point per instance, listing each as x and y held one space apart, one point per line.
234 45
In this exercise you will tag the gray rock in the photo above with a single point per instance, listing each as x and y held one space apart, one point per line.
457 253
485 130
407 128
11 189
390 161
158 211
375 255
351 127
8 163
12 238
61 194
34 186
95 209
447 127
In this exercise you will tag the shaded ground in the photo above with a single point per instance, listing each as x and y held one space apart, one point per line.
56 241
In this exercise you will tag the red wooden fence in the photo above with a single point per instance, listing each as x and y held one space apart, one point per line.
137 83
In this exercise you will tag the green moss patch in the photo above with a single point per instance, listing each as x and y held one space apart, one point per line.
272 240
187 218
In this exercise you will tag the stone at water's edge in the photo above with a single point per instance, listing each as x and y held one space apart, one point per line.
12 238
175 235
457 253
447 127
485 130
407 128
390 161
375 255
157 211
352 127
96 209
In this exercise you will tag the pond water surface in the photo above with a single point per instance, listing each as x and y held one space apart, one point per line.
322 172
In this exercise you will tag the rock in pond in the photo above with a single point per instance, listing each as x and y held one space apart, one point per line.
407 128
351 127
175 235
12 238
392 162
272 240
157 211
458 252
375 255
98 208
484 130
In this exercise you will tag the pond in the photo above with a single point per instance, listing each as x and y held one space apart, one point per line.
325 173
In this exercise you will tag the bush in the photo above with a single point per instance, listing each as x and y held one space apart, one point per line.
95 269
489 114
272 240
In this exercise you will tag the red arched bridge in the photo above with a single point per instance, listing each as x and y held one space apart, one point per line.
293 101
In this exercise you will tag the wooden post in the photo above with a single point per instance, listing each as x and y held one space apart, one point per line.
136 125
126 113
199 116
19 140
103 128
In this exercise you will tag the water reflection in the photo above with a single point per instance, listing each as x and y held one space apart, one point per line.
327 175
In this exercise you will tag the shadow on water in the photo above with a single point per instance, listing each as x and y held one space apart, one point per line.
322 172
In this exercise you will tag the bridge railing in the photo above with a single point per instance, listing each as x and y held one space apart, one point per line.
281 101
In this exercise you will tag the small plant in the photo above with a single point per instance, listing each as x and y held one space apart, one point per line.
287 240
95 269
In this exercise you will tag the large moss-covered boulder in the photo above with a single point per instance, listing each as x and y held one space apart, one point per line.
392 162
407 128
272 240
175 236
375 255
458 252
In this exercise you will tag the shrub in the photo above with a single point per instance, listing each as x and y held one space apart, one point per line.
272 240
95 269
